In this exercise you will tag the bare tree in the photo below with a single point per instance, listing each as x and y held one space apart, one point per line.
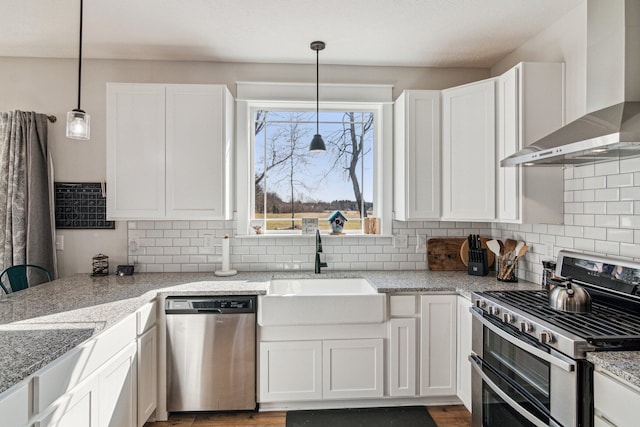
348 148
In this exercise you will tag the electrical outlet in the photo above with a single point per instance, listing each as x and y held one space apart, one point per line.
421 242
59 243
400 241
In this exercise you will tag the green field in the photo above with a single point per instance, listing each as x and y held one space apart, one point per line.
282 221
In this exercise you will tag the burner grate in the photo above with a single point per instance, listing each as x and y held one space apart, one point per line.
605 325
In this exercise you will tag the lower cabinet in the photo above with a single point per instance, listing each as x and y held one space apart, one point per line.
322 369
118 390
352 369
14 405
147 364
438 345
615 401
463 351
107 398
402 357
290 370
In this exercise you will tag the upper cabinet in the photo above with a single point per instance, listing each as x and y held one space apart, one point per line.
469 152
417 155
530 106
169 151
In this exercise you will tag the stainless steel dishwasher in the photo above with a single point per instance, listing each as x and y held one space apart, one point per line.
211 353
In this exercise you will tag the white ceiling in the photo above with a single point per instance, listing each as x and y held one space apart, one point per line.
441 33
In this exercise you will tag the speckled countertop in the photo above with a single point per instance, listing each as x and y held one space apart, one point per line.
42 323
623 364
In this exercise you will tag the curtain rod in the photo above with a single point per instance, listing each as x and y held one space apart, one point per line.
52 119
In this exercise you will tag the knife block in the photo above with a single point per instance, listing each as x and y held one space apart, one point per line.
478 262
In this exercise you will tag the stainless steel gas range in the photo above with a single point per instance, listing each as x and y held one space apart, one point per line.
529 359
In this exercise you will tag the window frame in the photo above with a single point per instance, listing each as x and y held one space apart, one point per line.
253 96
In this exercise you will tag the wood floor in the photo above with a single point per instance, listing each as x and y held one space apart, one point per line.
444 416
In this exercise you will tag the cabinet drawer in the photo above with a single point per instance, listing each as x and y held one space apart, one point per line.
57 378
14 405
615 401
145 318
402 305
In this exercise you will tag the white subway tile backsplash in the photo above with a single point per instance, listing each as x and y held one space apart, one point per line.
607 195
595 208
612 221
620 235
630 221
595 233
584 220
584 245
630 250
607 168
573 208
564 242
607 248
574 231
619 208
583 171
630 165
630 193
624 180
595 182
584 196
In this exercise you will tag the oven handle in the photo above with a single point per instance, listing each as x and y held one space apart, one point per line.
515 405
554 360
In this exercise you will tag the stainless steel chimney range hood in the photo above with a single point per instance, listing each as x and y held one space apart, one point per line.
611 130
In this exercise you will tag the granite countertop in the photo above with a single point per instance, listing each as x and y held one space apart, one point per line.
622 364
42 323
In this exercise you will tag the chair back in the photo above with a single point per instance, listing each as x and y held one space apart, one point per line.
15 278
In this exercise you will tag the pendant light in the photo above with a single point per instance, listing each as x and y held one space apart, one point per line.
77 119
317 144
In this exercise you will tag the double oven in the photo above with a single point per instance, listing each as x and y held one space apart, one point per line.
528 360
517 381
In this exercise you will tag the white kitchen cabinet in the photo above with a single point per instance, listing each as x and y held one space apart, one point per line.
135 151
402 357
469 152
79 407
463 366
118 390
147 364
169 151
615 401
14 405
290 371
352 369
530 106
417 155
438 345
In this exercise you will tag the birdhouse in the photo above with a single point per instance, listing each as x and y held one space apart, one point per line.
337 221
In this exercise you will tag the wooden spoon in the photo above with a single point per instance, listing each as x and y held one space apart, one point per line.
523 250
509 246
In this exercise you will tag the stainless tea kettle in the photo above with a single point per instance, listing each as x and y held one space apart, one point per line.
570 297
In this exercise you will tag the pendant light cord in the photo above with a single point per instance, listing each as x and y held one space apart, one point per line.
317 92
80 56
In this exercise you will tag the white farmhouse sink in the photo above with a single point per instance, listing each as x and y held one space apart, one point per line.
298 302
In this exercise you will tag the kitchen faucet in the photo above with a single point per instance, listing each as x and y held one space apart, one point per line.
318 251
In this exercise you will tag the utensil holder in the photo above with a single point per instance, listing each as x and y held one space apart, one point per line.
506 270
478 262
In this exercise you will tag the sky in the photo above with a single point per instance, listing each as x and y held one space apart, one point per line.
311 169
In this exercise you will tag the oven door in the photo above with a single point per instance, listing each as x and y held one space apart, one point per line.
517 381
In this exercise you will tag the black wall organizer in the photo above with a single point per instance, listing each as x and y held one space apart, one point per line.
81 205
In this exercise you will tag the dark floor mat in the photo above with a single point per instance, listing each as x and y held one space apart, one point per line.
402 416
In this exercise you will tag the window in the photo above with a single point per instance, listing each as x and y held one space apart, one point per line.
291 183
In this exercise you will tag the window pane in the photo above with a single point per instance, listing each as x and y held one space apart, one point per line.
292 183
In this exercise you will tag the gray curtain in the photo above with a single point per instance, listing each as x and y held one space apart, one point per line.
26 226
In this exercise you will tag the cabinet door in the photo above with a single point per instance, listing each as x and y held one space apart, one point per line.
352 369
135 151
615 400
14 405
463 366
438 345
118 385
417 155
196 155
147 374
402 357
508 182
468 152
290 371
79 407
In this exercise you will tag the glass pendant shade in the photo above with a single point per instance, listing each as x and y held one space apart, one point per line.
317 144
78 124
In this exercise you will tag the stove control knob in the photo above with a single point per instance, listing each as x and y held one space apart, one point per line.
508 318
481 303
547 337
526 327
494 311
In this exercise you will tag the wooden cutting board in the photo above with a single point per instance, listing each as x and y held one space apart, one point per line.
443 254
